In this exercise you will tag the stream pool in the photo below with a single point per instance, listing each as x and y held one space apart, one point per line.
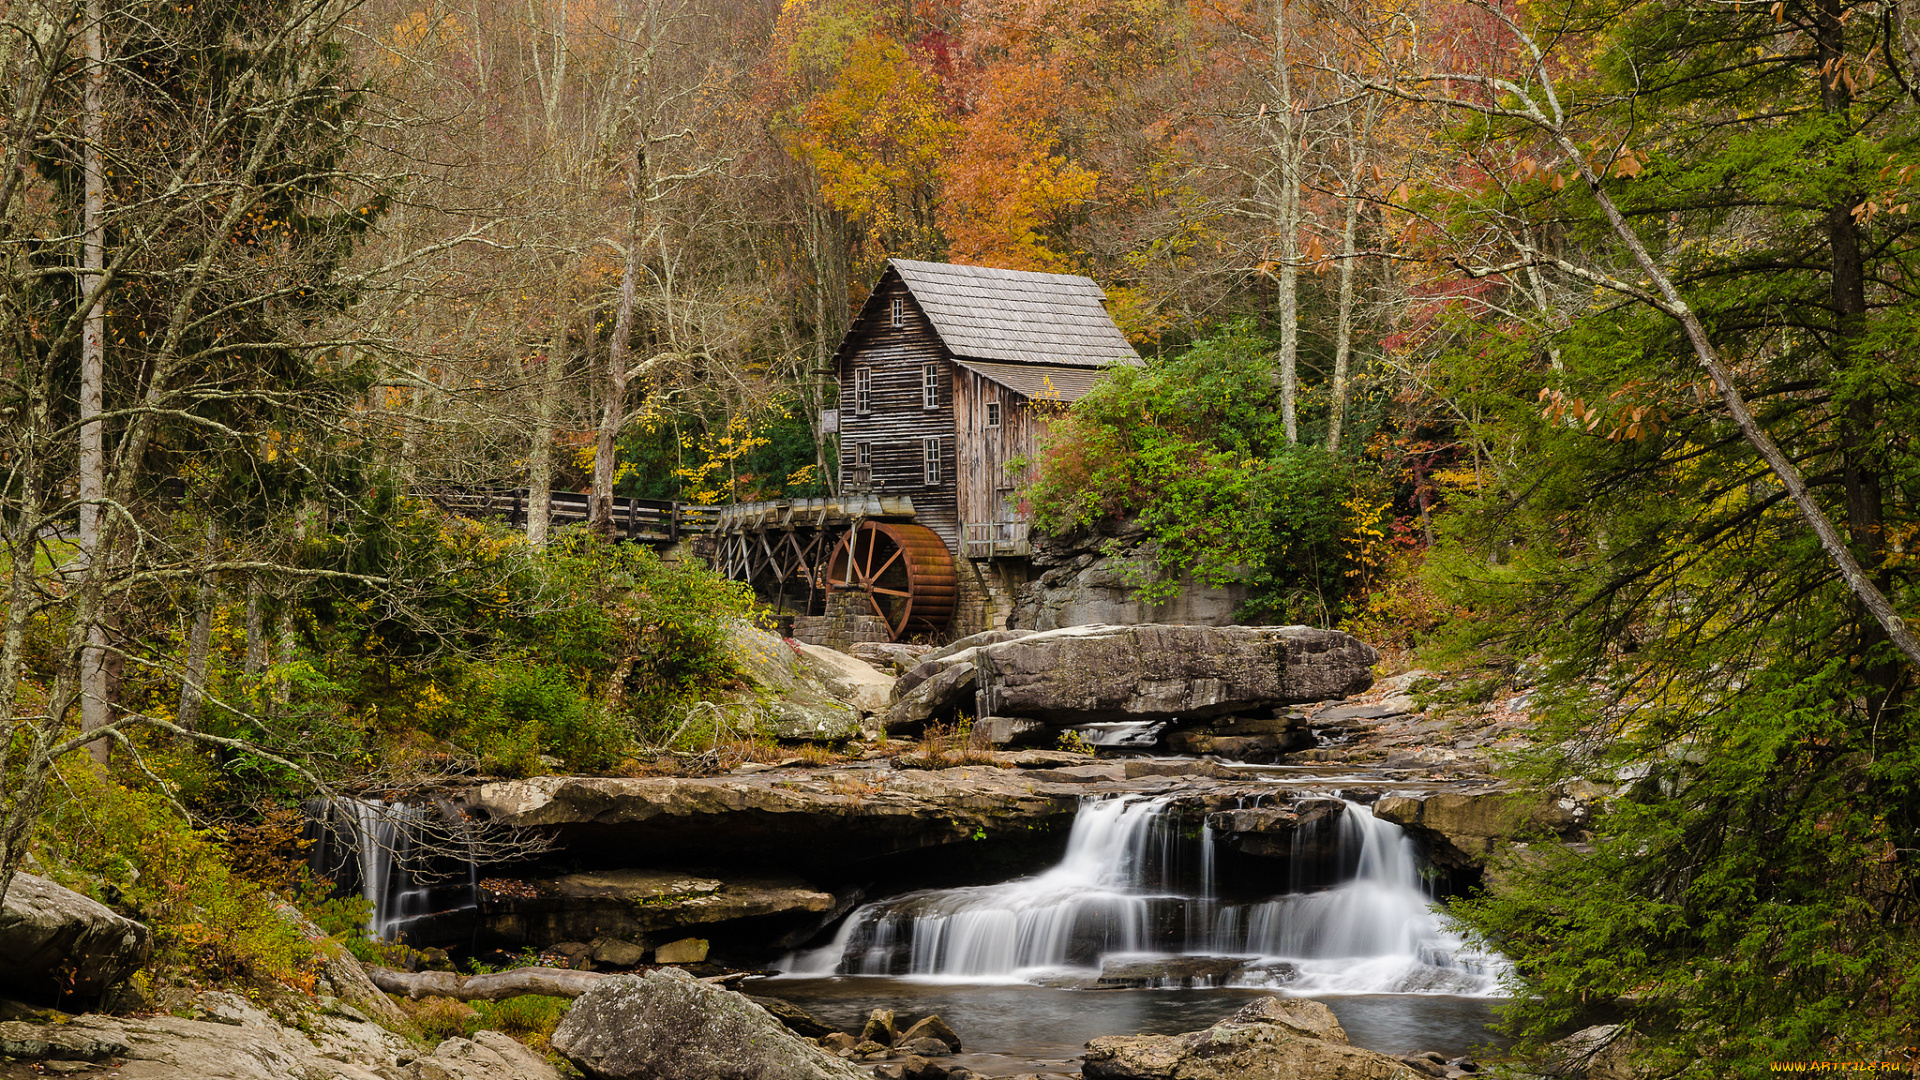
1011 1029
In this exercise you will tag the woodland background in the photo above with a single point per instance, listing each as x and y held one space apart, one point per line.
1569 343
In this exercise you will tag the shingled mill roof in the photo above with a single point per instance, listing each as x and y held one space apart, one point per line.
1017 316
1041 382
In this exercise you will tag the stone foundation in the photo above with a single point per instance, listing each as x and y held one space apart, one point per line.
849 621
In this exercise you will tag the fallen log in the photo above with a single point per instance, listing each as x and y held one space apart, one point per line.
500 985
493 986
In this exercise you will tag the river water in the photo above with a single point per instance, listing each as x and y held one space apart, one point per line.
1013 966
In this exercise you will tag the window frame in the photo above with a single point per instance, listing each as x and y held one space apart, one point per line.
898 311
863 391
930 385
993 413
931 463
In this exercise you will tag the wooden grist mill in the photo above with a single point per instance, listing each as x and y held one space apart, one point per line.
948 376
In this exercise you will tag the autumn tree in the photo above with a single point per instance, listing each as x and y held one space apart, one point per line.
1702 519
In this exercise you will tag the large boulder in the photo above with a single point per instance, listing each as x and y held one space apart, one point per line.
1087 674
645 903
791 703
1270 1039
853 681
489 1055
667 1025
948 689
55 942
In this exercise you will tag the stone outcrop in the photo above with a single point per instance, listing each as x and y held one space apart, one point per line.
667 1025
55 942
851 680
1088 674
796 819
1271 1039
1088 578
489 1055
643 904
1461 828
224 1036
791 703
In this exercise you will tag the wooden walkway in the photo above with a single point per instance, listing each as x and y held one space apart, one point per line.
647 521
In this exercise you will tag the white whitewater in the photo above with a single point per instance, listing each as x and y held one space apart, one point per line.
384 848
1129 885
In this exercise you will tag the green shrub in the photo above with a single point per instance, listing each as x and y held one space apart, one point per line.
133 849
1193 447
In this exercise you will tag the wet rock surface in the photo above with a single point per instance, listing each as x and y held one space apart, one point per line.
1278 1039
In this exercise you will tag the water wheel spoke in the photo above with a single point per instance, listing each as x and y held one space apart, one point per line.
891 559
920 588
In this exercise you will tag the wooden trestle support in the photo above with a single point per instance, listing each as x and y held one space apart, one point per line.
802 549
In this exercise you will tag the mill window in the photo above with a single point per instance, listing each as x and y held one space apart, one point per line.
993 414
862 391
930 385
931 453
899 313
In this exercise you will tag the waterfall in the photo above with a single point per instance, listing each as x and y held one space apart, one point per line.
1122 733
412 862
1356 918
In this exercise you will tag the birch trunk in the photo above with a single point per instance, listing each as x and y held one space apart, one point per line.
93 462
540 455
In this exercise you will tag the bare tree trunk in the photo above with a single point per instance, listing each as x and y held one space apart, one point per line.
1289 228
1343 326
540 456
613 411
199 647
93 462
256 657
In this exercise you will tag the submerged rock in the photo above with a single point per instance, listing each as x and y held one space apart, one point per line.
1170 971
1270 1039
55 943
667 1025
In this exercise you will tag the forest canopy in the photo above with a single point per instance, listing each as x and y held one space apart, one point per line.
1572 339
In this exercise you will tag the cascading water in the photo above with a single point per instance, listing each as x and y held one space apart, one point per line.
412 862
1130 886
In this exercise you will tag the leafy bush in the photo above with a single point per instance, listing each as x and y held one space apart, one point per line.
133 849
1193 447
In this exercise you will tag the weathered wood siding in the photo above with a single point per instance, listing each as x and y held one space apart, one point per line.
986 484
899 422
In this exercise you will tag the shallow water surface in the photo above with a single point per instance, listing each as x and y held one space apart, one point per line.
1024 1029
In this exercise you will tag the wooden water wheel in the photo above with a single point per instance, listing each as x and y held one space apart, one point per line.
905 570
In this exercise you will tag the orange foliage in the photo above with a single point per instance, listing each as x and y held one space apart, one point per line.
1007 189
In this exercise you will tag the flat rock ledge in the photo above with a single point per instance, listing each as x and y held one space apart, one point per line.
800 818
224 1036
641 904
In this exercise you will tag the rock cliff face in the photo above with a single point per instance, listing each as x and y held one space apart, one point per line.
1087 578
